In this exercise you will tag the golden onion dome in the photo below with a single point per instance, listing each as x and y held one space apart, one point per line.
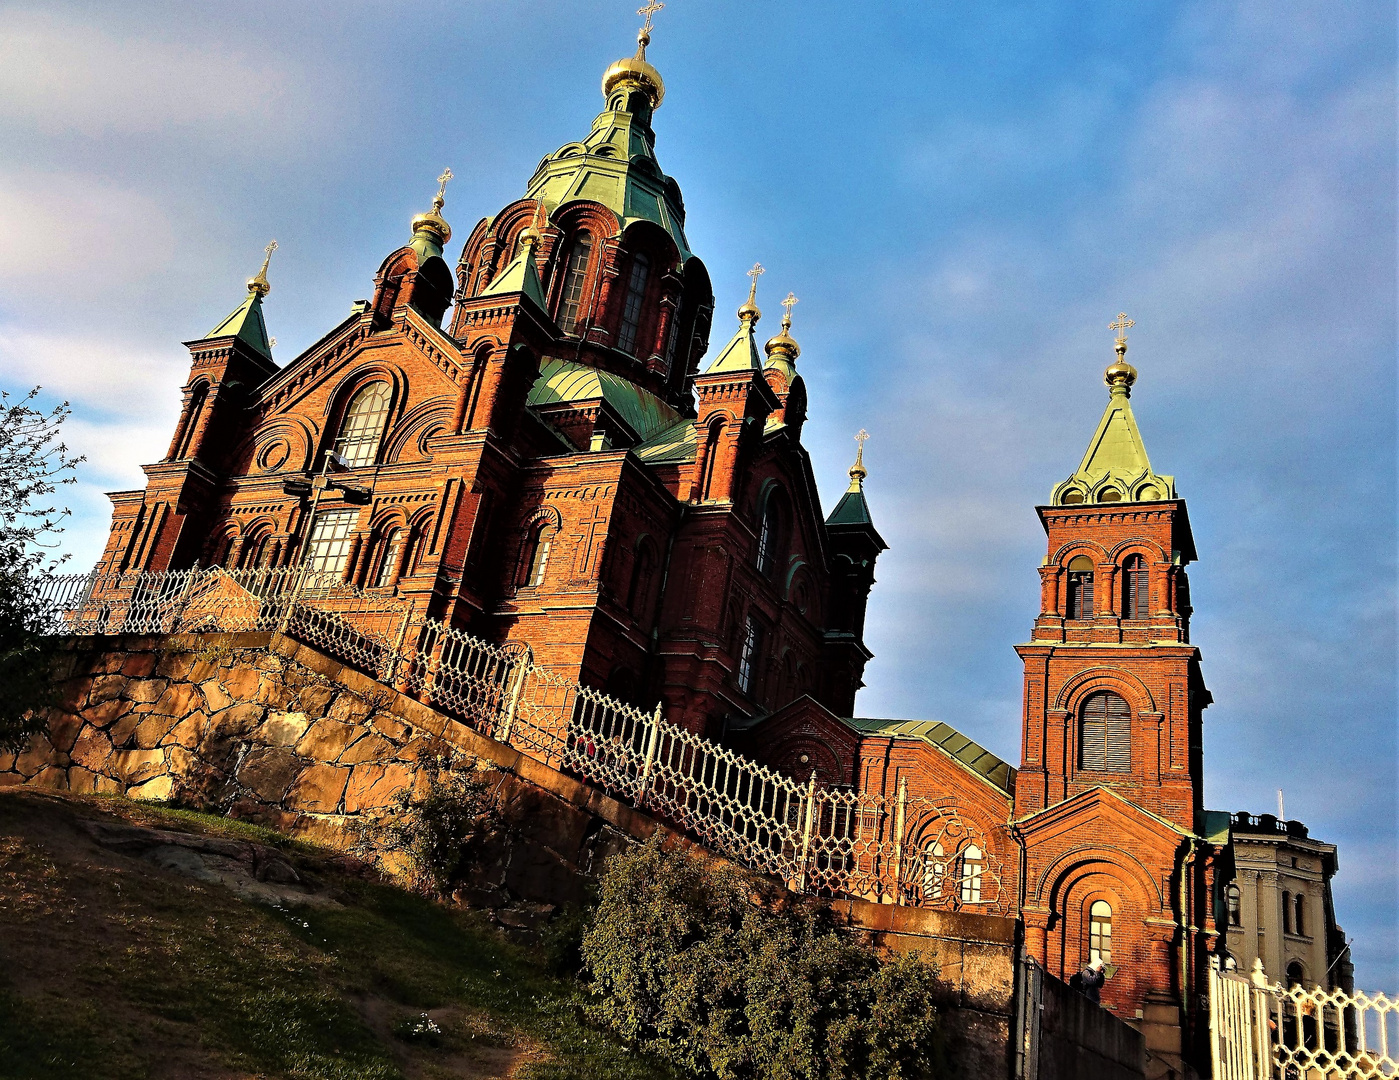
259 283
636 71
435 224
784 344
530 236
1119 372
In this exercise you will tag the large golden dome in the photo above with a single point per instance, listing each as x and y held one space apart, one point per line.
636 71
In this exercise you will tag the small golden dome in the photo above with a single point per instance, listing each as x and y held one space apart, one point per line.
1120 373
259 283
749 311
432 222
636 71
530 236
784 343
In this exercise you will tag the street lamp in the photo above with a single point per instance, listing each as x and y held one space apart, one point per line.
317 486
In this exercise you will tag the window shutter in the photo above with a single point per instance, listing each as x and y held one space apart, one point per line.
1119 735
1093 734
1105 734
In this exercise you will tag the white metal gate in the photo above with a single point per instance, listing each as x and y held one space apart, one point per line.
1261 1031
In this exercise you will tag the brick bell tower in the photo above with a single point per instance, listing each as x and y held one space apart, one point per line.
1108 798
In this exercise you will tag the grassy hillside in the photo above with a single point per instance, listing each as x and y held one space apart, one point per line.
142 942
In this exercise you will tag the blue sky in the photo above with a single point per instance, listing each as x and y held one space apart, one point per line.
961 195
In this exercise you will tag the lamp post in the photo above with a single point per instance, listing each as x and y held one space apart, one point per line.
316 487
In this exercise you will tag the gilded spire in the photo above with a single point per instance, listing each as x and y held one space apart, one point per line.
636 71
858 472
260 284
432 222
784 344
1120 375
749 312
533 233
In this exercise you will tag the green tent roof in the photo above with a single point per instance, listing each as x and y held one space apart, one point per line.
565 381
247 324
740 354
947 739
521 276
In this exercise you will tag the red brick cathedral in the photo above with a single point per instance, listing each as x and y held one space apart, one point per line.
554 455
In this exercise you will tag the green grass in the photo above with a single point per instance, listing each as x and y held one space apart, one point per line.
150 962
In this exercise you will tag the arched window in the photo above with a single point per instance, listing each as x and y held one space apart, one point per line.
1100 932
1105 734
328 546
769 531
1134 588
1287 913
634 307
643 572
973 863
1295 975
1081 588
1233 905
1072 497
390 547
541 540
358 441
255 551
934 870
748 655
196 412
1299 922
575 274
711 458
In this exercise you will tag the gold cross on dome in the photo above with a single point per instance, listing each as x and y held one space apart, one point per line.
269 249
441 197
861 438
756 272
650 9
789 304
1122 324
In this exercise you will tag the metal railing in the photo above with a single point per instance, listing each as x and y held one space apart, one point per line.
1263 1031
831 842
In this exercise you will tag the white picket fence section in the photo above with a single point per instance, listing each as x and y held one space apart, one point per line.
1263 1031
901 849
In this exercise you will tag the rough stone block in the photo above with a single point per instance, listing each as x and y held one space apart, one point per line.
370 748
136 766
151 731
373 786
189 731
327 739
92 748
237 719
10 779
146 691
63 730
241 682
157 790
106 688
269 771
85 782
7 760
124 730
140 665
108 712
215 696
35 756
283 729
350 709
51 777
179 700
175 666
314 700
390 726
318 789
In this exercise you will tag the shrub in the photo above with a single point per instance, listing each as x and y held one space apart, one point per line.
682 962
428 837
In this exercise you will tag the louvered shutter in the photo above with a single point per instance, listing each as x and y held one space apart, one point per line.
1105 734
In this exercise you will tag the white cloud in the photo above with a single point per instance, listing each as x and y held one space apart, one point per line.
64 75
109 377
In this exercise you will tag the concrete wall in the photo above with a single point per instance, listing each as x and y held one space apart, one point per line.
1078 1039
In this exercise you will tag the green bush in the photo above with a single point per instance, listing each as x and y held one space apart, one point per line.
429 837
682 962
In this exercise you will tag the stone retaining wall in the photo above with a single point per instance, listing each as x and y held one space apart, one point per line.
260 727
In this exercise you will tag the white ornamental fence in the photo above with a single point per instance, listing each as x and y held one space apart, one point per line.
830 842
1262 1031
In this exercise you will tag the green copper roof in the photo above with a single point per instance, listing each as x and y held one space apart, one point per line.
1115 467
740 354
247 324
521 276
1217 823
851 510
950 741
675 444
616 166
426 245
564 381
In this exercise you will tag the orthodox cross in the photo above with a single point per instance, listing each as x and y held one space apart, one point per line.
858 471
755 274
650 9
1122 324
860 439
441 197
788 304
269 249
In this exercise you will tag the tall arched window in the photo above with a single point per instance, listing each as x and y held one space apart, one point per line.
386 563
973 864
195 414
1287 913
1134 588
769 531
1233 904
358 441
1100 932
1295 975
748 652
934 870
575 274
255 550
541 540
634 307
1081 588
711 458
643 571
1299 921
1105 734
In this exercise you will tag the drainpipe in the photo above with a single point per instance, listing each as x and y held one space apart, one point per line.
660 597
1019 838
1187 929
